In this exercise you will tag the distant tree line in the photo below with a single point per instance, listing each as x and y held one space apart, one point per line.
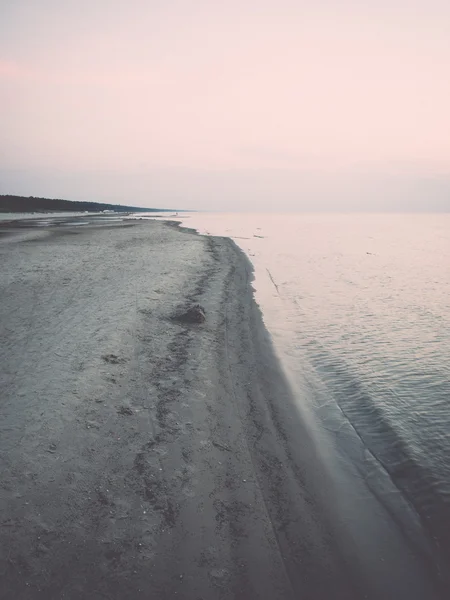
32 204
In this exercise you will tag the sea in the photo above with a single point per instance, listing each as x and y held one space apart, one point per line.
358 308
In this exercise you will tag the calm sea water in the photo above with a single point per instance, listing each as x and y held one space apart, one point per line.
359 310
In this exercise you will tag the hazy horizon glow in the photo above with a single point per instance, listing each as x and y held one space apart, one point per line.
262 104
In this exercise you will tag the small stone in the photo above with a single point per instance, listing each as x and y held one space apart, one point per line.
194 314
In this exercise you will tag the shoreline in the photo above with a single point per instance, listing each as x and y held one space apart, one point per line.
379 515
143 456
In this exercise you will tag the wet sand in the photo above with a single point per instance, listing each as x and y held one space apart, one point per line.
146 457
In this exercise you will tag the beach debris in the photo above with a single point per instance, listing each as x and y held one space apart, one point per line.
258 236
273 281
124 410
194 314
221 446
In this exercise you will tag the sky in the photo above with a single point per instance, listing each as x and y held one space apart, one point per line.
238 105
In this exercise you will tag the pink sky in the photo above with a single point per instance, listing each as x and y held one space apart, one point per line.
152 91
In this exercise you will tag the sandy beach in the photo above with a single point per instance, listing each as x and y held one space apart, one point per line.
143 456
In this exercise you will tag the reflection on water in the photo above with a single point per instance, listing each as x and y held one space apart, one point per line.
359 310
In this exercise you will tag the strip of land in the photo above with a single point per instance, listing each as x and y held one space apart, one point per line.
17 204
144 455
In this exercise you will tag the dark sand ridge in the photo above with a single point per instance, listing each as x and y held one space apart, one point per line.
143 457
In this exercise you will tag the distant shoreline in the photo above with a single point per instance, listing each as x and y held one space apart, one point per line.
30 204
